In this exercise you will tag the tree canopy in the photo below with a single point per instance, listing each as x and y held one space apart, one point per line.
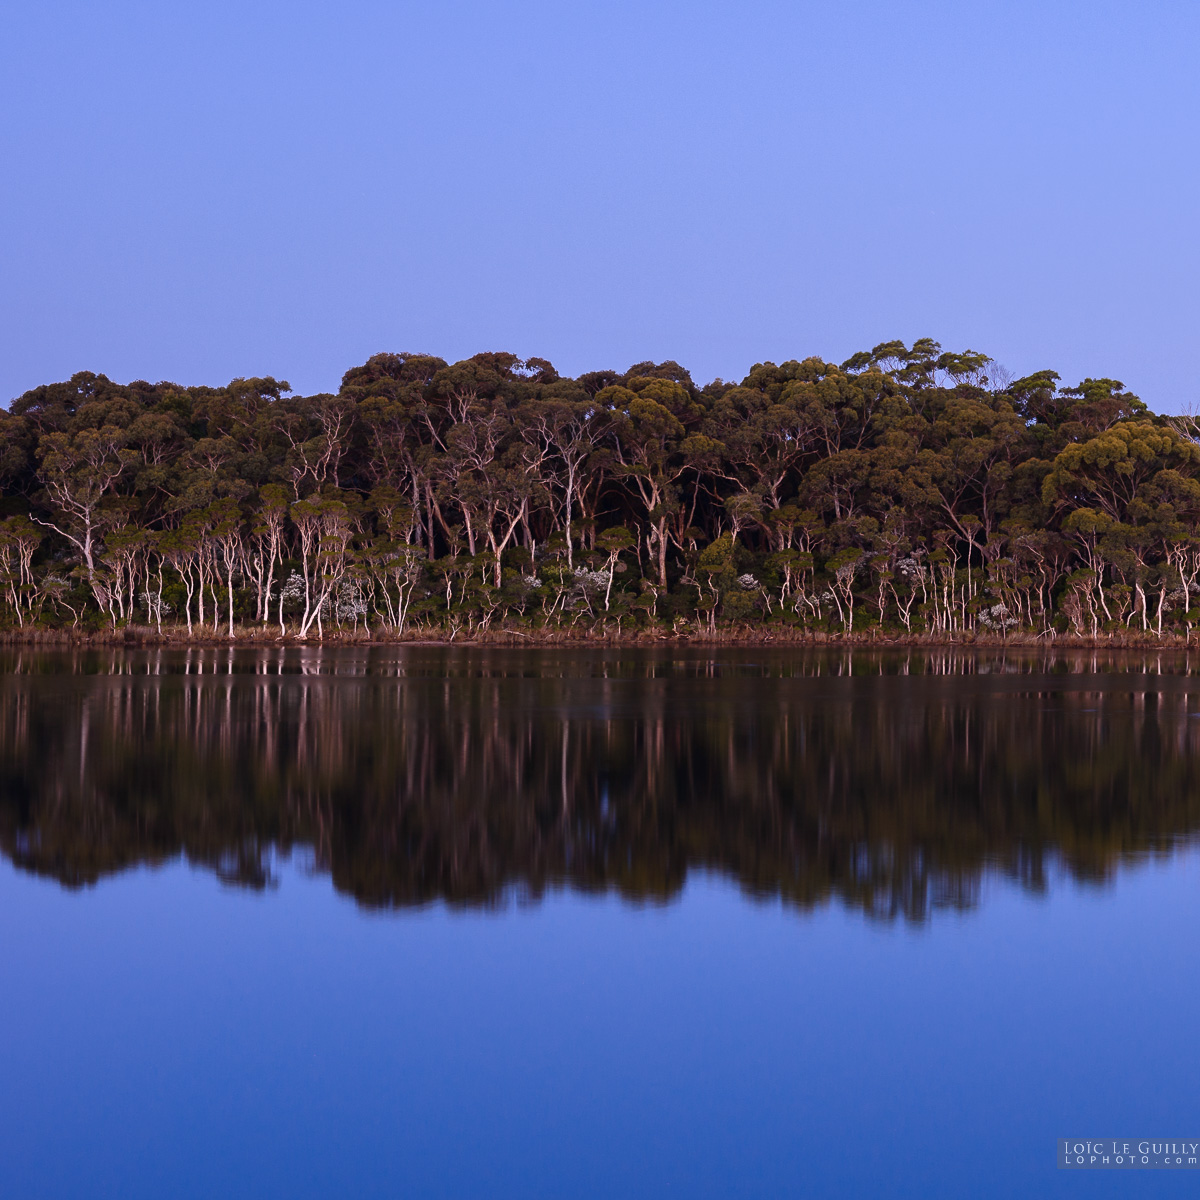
909 490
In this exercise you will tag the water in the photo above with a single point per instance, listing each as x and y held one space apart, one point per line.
455 922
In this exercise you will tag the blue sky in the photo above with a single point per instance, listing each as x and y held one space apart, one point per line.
197 192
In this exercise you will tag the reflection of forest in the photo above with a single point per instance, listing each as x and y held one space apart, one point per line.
892 782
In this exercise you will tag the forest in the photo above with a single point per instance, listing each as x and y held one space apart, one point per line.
908 492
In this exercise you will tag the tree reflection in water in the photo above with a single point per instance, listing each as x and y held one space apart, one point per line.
894 782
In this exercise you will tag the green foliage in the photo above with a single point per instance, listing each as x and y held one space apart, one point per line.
912 488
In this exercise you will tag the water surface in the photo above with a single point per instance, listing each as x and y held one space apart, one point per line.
430 921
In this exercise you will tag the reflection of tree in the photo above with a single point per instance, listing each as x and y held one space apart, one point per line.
894 783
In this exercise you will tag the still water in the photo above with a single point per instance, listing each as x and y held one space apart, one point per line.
462 922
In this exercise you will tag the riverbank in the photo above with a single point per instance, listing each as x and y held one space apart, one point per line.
148 636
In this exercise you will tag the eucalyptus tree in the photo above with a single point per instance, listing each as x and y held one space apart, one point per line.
909 488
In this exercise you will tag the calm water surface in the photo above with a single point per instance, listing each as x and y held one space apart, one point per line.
464 922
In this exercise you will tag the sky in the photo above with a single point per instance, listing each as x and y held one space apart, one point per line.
197 192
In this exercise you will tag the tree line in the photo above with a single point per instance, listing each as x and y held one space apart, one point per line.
907 491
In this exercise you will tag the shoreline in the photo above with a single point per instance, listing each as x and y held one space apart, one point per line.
148 637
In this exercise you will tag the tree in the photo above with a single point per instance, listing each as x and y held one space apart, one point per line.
325 527
79 471
649 438
922 485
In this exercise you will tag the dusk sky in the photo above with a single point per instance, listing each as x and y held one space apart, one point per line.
197 192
